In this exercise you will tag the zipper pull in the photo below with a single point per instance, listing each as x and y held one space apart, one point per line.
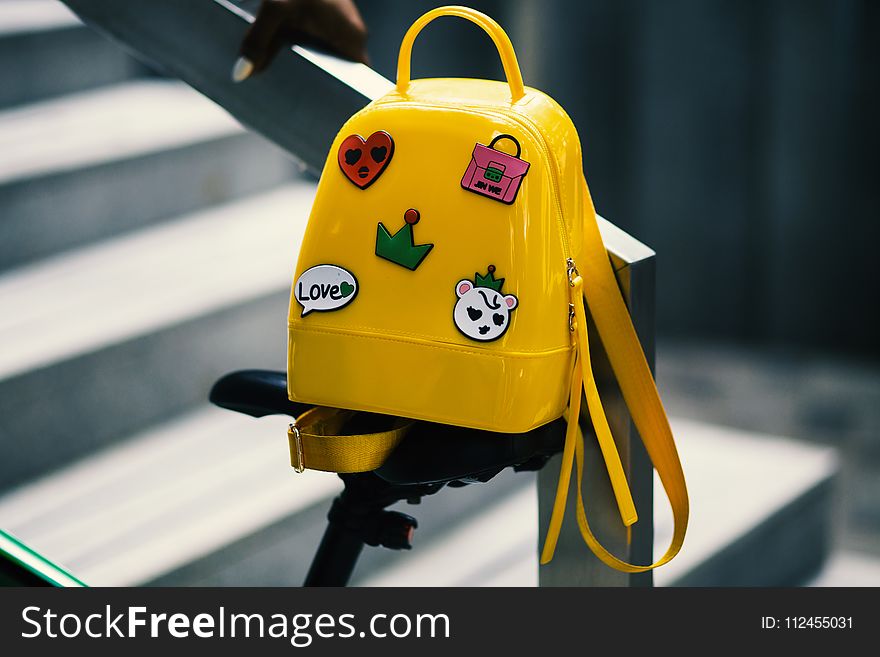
573 273
572 270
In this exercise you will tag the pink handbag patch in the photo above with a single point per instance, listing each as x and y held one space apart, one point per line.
494 173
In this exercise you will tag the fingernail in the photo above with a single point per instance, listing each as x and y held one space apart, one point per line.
242 69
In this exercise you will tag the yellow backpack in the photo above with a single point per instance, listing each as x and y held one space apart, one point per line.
442 277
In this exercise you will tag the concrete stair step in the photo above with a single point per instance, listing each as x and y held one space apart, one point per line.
280 554
195 499
761 509
165 498
104 340
760 516
849 568
98 163
46 51
209 499
497 546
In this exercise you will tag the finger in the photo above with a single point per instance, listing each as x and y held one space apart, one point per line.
262 41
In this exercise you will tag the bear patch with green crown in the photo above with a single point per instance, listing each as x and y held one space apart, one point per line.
482 311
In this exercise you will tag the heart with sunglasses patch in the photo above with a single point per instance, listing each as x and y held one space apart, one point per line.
364 160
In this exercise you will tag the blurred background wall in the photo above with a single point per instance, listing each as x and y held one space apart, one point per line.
737 138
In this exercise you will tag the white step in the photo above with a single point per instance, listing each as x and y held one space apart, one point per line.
210 498
165 498
46 51
849 568
27 16
187 490
760 509
102 340
744 488
493 548
280 554
97 163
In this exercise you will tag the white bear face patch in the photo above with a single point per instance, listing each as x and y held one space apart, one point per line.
482 313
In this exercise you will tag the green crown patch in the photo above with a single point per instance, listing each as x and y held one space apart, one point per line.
401 248
489 280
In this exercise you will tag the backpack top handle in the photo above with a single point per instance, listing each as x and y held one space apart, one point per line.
493 29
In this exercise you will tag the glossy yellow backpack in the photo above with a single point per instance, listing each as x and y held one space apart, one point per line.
442 277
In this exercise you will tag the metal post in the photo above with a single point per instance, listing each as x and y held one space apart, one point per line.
299 104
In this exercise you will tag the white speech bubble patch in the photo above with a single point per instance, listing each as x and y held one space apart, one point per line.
324 288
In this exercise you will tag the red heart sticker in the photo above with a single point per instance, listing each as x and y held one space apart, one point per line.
363 161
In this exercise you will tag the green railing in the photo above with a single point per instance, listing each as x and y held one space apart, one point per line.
20 565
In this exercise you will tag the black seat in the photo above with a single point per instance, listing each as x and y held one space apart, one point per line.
257 393
430 453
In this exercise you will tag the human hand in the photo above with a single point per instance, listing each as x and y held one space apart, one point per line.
333 24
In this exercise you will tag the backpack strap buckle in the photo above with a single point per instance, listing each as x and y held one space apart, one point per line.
294 437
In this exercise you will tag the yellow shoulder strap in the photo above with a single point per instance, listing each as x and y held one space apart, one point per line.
630 367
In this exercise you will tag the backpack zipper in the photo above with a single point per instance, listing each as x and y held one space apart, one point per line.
532 127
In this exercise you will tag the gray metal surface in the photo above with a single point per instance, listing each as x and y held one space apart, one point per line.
299 104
